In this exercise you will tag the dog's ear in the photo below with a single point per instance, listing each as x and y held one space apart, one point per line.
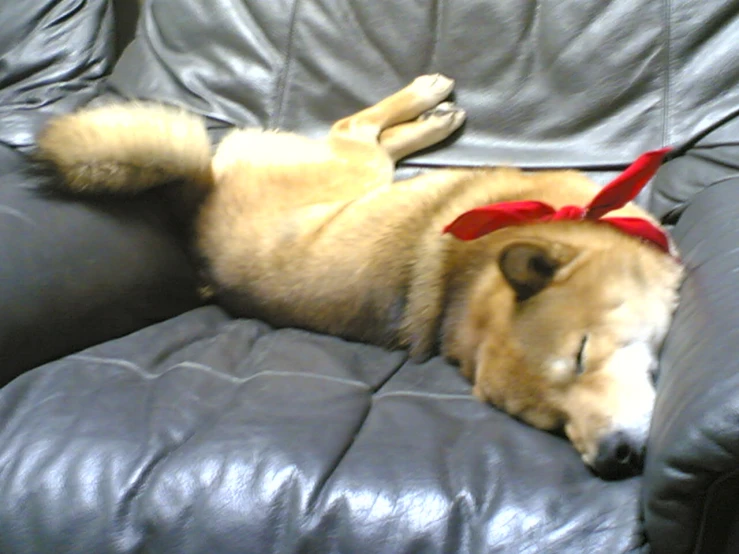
530 265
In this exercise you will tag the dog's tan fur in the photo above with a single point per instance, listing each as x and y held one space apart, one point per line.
315 234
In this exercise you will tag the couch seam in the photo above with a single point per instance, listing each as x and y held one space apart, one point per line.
321 485
212 372
126 509
719 181
667 90
431 395
680 206
281 85
437 33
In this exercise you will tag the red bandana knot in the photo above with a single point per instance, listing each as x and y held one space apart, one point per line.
572 213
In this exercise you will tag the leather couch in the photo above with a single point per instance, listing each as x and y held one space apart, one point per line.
135 419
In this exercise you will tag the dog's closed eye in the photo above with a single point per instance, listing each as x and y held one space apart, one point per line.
580 358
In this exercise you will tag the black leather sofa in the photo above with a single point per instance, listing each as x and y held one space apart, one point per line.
135 419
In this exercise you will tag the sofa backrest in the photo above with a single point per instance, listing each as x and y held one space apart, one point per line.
53 54
587 83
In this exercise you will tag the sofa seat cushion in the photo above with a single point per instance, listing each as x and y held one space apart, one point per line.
207 434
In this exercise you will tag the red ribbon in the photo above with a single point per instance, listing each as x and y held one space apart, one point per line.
624 188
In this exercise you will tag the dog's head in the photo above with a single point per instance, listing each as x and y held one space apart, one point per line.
563 330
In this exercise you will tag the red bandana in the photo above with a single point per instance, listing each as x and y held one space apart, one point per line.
486 219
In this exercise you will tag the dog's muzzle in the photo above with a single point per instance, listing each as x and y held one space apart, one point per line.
620 455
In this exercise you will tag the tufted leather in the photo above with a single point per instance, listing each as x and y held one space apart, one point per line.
204 434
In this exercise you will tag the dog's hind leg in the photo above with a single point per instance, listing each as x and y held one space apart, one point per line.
428 129
421 95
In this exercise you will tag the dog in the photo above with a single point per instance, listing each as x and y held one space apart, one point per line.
557 321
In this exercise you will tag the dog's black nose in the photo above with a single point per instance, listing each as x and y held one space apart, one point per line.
619 456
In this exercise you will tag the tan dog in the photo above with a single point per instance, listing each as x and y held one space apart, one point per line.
557 323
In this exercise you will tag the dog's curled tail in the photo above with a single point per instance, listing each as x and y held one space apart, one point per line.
127 148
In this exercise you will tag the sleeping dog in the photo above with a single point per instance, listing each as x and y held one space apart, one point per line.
552 310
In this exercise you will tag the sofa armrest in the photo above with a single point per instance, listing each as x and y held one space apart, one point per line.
712 160
691 480
75 273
